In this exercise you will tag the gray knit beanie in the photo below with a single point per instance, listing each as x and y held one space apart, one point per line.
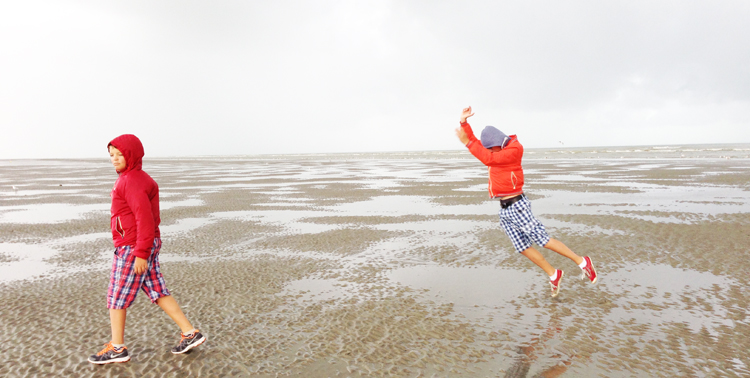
492 137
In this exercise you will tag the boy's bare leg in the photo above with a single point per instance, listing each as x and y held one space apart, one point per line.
170 306
562 249
537 258
117 320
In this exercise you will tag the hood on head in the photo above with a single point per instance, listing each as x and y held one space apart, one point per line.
492 137
131 148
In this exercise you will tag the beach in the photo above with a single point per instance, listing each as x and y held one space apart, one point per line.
389 264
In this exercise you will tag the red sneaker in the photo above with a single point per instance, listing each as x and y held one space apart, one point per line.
556 283
589 271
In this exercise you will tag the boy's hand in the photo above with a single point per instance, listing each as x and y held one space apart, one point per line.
461 134
466 114
140 265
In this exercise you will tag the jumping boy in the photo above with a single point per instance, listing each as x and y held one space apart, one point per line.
135 231
502 155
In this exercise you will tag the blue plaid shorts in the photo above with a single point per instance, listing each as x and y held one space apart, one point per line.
521 226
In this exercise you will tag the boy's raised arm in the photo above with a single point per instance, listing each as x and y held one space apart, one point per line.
466 114
489 157
464 133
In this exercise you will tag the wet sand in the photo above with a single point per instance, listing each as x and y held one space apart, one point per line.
389 265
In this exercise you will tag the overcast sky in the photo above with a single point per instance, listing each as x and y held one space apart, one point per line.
260 77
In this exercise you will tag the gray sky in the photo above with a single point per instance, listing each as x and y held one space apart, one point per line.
259 77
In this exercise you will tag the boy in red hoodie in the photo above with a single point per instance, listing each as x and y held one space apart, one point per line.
502 155
135 232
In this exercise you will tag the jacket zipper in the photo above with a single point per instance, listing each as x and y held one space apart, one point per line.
489 171
118 227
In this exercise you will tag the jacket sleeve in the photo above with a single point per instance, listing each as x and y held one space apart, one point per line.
140 205
489 157
469 133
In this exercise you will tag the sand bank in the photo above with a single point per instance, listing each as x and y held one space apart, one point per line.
388 265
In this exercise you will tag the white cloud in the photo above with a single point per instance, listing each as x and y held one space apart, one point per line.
240 77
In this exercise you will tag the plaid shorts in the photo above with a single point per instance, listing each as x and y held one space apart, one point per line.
124 283
521 226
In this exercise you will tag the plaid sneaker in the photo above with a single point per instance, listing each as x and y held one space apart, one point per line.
109 355
188 342
556 283
589 271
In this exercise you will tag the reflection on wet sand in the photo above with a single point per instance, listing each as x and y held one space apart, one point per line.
531 354
391 265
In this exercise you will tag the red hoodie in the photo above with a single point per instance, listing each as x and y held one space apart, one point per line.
135 200
504 166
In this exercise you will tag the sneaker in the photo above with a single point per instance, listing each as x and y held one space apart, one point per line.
189 342
110 354
556 283
589 271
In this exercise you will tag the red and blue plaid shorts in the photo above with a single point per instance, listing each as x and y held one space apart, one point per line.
124 283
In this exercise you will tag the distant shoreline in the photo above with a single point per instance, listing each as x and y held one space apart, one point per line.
702 151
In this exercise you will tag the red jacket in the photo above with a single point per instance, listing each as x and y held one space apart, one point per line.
504 166
135 200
